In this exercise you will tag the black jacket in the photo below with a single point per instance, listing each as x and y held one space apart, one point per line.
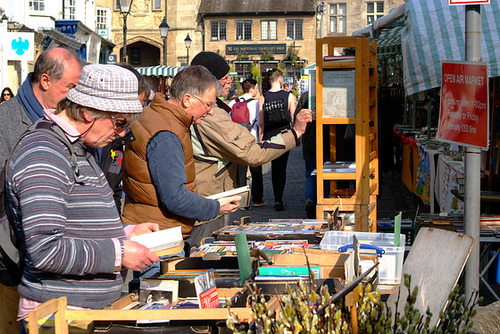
111 162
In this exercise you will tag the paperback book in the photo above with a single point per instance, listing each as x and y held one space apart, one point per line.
154 290
206 290
163 242
244 192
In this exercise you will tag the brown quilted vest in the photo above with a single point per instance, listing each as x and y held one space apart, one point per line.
141 201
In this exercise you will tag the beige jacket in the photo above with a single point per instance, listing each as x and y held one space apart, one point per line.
219 144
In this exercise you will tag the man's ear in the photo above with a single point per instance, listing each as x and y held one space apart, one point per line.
186 100
87 117
45 81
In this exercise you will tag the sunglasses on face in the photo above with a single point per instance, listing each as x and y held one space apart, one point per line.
119 124
6 94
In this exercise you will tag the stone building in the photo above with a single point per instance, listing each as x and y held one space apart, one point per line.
262 33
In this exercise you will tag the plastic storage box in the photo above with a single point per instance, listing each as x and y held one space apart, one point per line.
391 261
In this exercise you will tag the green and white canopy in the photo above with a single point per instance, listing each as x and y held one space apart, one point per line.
159 71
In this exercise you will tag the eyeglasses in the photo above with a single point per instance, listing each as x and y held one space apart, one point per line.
119 124
6 94
208 106
225 79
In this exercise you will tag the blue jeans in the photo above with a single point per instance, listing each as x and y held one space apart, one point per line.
311 188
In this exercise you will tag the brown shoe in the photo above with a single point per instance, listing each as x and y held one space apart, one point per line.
259 203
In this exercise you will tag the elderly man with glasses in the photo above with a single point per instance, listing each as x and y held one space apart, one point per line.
220 144
159 175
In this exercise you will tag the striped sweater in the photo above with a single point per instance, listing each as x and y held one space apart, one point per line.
68 232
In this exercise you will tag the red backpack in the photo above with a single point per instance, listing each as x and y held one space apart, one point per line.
241 114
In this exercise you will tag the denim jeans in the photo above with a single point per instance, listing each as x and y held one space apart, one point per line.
311 188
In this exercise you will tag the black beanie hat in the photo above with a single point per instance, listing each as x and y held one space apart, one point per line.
213 62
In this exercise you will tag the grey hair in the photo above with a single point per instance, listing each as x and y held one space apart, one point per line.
194 80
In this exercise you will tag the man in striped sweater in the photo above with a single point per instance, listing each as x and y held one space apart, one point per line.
76 245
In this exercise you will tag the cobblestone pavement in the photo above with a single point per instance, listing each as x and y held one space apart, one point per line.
393 196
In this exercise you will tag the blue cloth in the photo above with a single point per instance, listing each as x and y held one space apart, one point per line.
167 169
27 98
311 188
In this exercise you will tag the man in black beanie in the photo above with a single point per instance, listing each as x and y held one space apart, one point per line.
219 68
219 145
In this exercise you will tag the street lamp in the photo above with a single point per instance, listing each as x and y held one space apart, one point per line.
164 32
187 41
125 10
321 9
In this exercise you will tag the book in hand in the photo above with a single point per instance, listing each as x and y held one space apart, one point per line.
206 289
244 192
163 242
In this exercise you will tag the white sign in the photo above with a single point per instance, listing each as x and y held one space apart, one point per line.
20 46
469 2
103 33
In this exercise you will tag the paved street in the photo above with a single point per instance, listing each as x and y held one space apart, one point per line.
393 198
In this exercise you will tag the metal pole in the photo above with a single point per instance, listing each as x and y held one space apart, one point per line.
472 201
125 37
164 50
321 25
187 56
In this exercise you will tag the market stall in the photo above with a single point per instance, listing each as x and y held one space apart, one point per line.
158 75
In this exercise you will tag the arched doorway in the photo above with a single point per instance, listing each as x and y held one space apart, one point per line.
142 54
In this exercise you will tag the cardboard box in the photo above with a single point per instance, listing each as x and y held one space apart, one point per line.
332 264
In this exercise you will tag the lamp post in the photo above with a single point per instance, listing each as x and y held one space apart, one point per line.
187 41
164 32
321 11
125 10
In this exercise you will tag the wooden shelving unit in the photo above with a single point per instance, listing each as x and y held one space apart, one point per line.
362 200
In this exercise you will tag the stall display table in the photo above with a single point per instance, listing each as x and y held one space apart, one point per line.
488 244
430 173
447 174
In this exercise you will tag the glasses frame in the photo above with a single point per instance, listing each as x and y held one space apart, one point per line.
118 125
207 107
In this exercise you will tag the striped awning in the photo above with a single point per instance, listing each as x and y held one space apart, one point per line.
159 71
305 70
389 41
434 32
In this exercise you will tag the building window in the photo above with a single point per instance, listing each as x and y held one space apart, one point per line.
156 4
218 31
102 18
374 11
243 30
69 9
268 30
338 21
294 29
243 70
38 5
